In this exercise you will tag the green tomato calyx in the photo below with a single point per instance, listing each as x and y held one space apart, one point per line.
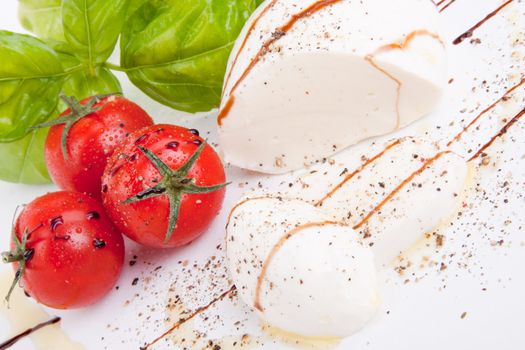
174 184
77 111
21 255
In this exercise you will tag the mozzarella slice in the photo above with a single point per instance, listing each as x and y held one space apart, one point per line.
301 272
393 196
343 222
307 79
425 199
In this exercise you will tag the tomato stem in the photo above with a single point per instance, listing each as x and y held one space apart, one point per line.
10 257
19 255
77 112
174 184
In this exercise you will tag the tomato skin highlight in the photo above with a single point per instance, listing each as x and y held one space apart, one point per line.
78 253
91 141
129 172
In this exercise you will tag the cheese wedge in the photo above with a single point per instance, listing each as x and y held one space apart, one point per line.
306 79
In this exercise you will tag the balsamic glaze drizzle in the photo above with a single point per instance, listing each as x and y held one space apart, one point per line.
10 342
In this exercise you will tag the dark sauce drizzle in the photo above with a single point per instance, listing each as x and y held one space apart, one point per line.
470 32
191 316
447 5
10 342
502 132
282 31
441 2
246 37
486 110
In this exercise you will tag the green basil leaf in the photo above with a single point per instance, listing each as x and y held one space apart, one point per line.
86 82
83 83
176 51
92 27
42 17
23 160
134 5
62 47
31 77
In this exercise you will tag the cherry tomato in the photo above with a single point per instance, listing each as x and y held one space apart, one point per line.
164 187
66 251
76 158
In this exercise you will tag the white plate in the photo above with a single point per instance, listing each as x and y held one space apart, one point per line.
475 303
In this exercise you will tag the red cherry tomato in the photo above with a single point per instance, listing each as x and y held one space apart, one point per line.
141 194
90 142
73 255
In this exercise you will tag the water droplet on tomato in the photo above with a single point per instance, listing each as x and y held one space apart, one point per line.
172 145
99 243
93 215
115 170
141 139
55 222
63 238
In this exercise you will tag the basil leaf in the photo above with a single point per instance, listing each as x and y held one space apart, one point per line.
176 51
23 160
31 77
42 17
62 47
84 84
92 27
134 5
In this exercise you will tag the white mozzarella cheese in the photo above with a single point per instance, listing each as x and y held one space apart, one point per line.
307 79
342 226
301 272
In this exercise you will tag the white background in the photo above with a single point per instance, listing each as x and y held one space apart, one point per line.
482 279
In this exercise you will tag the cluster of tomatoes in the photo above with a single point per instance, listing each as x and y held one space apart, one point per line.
160 185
